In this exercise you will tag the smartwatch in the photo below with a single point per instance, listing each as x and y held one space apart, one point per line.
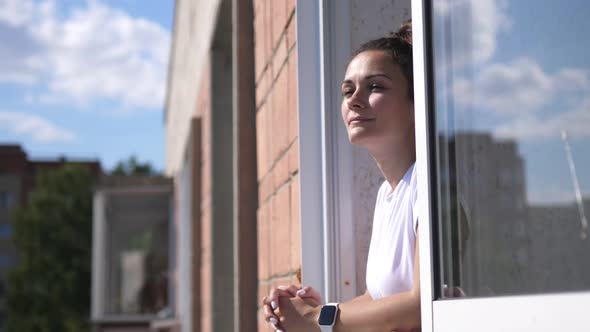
328 316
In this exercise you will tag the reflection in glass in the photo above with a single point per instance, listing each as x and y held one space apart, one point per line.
512 145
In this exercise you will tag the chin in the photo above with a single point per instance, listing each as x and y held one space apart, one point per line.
359 139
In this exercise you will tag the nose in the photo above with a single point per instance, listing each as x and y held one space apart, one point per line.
355 101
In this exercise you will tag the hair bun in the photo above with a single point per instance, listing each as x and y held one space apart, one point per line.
405 32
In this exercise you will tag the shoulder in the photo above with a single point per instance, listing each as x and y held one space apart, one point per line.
414 198
413 173
384 188
412 181
381 198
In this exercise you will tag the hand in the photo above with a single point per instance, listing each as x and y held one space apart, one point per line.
271 302
308 292
298 314
453 291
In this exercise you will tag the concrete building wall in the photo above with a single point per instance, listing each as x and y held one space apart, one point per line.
189 98
194 26
205 215
200 134
184 222
279 242
203 219
221 161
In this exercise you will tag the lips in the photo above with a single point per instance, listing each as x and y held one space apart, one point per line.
359 120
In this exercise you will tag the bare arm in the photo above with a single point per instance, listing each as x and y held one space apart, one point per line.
362 298
400 311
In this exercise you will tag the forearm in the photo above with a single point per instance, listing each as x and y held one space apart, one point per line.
396 312
400 311
362 298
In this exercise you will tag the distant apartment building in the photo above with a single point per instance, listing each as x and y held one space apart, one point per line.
556 230
18 175
493 195
501 234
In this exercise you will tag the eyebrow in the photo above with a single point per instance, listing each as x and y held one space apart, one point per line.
368 77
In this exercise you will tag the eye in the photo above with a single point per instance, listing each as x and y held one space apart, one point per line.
347 92
375 86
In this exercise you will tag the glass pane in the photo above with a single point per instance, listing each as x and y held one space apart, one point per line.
137 258
512 105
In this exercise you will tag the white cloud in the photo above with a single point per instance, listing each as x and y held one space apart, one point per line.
533 103
572 79
529 127
18 48
39 129
16 12
92 53
506 88
475 26
519 87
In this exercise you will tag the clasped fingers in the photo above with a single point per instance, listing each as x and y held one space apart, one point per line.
271 304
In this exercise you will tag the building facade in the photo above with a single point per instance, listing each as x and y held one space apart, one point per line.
233 147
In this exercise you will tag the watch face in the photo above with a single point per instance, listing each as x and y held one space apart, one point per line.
327 315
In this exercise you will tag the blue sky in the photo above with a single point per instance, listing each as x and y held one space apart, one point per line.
85 79
522 73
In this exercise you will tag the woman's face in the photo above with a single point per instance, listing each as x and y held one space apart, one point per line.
375 106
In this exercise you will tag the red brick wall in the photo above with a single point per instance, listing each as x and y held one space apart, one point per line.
279 240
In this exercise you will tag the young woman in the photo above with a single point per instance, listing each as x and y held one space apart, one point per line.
378 112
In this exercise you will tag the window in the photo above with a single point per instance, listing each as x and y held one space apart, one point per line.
131 250
138 253
506 147
6 200
5 260
5 231
511 111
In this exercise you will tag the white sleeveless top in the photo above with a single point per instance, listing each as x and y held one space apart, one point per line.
390 265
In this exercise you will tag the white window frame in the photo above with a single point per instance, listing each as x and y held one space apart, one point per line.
544 312
327 225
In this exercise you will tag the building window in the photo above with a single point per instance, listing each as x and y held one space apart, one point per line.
5 261
506 111
137 253
6 200
5 231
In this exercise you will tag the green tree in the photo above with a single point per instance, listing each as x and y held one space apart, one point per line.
49 289
132 166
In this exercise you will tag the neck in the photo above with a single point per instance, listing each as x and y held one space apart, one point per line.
395 161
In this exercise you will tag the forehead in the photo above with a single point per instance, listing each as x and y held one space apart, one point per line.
370 63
